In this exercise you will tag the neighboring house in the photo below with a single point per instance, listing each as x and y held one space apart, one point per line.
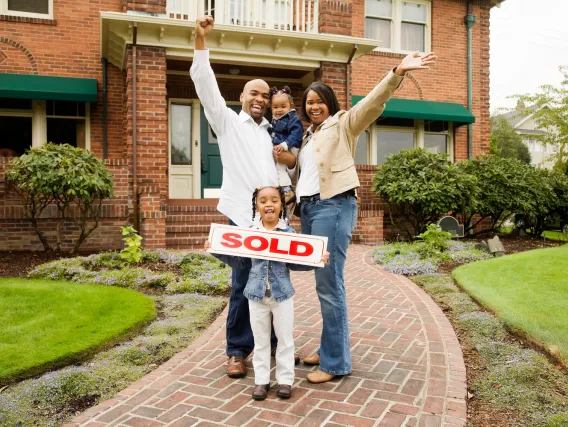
526 126
67 70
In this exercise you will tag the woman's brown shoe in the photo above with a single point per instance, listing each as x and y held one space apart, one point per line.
313 359
260 391
318 377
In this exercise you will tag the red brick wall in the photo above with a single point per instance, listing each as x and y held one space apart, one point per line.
152 139
150 6
68 46
16 232
447 82
335 17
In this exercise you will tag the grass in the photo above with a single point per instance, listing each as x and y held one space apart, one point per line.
555 235
505 377
47 324
528 291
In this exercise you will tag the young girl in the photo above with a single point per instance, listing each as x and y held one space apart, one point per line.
287 132
270 291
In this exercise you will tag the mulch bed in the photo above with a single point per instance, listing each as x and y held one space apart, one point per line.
18 263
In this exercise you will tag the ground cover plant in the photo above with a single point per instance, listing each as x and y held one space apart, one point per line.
415 258
508 383
528 290
55 397
160 270
47 324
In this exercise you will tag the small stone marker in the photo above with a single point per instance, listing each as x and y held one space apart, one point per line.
451 225
496 247
482 246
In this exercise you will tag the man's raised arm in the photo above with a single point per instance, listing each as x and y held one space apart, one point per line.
204 79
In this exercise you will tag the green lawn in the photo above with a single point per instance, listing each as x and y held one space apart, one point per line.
528 290
555 235
46 324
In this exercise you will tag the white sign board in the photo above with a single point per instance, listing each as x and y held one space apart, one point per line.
271 245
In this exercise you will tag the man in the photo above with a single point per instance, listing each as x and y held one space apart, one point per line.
246 153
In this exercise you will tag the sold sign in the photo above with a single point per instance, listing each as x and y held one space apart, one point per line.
269 245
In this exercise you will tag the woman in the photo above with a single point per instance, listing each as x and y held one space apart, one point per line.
328 206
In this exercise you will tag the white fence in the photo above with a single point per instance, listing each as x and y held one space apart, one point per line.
285 15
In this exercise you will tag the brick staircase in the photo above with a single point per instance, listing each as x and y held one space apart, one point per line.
188 223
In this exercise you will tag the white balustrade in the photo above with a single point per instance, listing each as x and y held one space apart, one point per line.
285 15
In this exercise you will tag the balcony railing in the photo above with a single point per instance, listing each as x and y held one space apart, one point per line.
285 15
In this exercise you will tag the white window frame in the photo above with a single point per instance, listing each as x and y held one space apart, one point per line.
5 11
38 114
396 26
417 130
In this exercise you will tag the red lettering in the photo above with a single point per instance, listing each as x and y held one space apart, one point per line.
294 246
263 243
274 247
232 240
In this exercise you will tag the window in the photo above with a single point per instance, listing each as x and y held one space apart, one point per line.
31 123
362 149
389 136
390 142
27 8
399 25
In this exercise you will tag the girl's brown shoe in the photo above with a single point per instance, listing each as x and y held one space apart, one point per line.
318 377
284 391
313 359
260 391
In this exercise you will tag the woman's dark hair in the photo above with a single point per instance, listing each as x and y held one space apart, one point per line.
327 95
282 199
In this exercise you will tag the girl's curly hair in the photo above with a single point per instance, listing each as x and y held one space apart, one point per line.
282 199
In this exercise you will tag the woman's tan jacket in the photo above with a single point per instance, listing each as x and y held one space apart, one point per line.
335 141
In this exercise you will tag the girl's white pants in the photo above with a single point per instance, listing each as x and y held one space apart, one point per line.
262 315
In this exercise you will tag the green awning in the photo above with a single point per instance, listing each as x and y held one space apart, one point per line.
424 110
30 86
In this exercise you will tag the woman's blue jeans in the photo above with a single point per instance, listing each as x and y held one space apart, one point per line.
334 218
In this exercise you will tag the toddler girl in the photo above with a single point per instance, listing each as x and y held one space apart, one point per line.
287 132
270 294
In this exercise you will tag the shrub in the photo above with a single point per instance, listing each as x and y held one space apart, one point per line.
422 187
71 178
132 253
435 238
509 187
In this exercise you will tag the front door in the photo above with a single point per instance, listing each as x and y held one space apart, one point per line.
211 166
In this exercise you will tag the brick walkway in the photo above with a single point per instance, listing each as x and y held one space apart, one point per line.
408 368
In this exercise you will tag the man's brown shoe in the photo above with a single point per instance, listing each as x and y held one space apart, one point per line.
260 391
318 377
236 367
284 391
313 359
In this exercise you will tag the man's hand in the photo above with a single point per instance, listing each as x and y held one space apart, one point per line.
325 257
204 25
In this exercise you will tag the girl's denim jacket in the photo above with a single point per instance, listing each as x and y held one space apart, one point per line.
288 129
277 273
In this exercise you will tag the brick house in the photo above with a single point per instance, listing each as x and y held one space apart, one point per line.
67 70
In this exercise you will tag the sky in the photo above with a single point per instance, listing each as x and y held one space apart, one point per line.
529 41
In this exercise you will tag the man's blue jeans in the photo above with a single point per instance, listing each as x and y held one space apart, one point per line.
334 218
240 341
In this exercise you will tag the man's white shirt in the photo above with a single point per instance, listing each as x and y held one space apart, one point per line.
245 147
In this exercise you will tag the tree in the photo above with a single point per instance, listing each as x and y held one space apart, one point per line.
505 142
71 178
550 108
422 187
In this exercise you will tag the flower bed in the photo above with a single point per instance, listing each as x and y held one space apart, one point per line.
167 271
411 259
